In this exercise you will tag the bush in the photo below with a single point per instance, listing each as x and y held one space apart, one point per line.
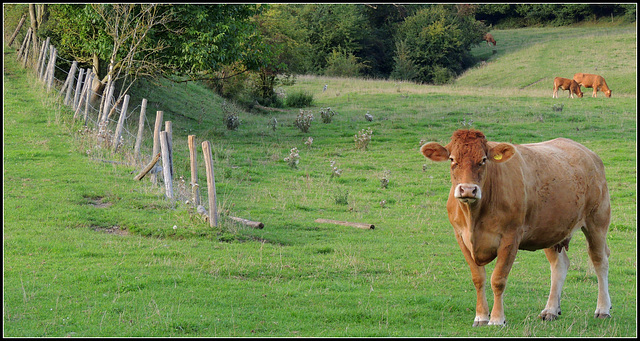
299 99
326 114
343 64
303 121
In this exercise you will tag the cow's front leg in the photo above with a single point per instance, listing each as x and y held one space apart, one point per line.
506 256
479 278
559 263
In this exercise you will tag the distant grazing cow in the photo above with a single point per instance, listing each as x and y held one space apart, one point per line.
566 84
506 197
489 38
592 81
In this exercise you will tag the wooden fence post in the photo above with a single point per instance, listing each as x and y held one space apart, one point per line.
15 33
52 70
46 68
107 104
195 188
24 43
26 51
41 63
156 142
85 86
211 183
168 182
87 100
123 115
77 92
169 130
68 83
136 150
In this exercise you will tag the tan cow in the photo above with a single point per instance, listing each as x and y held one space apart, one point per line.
489 38
506 197
596 82
566 84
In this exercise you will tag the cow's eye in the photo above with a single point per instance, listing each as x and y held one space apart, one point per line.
484 160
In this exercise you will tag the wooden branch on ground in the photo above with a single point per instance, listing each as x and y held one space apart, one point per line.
254 224
147 168
268 109
346 223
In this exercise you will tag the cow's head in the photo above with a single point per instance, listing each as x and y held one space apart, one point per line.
607 93
469 155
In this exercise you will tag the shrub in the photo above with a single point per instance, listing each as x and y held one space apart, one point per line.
303 120
231 119
363 138
335 171
293 159
299 99
341 63
384 181
326 114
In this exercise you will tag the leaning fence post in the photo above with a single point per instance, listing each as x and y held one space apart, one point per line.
123 115
156 142
166 168
169 130
195 188
136 150
24 43
52 71
45 77
107 104
85 86
26 52
87 100
211 183
68 83
77 92
15 33
41 64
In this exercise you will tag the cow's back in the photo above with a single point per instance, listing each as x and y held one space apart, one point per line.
564 181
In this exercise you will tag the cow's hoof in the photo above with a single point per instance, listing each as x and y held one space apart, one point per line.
480 323
498 323
547 317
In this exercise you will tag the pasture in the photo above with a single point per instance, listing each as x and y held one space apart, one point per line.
64 275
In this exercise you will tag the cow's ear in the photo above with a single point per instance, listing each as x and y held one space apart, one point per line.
435 151
501 152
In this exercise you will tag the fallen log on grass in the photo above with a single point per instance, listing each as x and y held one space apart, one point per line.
254 224
267 108
148 168
346 223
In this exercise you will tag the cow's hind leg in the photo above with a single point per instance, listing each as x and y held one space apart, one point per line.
559 263
595 232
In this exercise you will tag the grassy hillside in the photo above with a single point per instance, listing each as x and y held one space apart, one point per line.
65 276
531 58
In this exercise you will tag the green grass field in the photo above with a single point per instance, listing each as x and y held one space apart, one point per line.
90 252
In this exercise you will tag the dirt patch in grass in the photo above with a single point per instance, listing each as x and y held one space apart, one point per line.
112 230
98 202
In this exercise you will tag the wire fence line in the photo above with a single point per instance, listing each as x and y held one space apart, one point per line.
81 85
50 69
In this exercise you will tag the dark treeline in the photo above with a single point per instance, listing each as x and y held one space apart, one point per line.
243 51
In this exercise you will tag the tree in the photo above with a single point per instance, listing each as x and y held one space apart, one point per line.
439 39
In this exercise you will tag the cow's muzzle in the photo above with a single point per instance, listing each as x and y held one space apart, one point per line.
468 193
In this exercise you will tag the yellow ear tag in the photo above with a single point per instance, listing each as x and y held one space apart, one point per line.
498 157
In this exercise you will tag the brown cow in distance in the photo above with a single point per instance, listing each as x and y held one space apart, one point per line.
489 38
596 82
507 197
566 84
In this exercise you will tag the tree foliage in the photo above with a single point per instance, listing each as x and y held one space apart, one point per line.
439 41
